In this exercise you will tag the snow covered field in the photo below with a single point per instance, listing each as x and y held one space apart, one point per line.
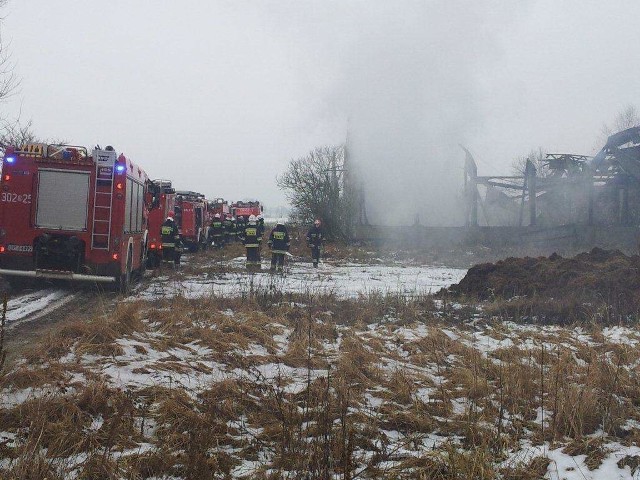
344 279
193 365
341 279
413 392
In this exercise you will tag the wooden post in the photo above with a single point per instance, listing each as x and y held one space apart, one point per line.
471 190
531 182
522 198
591 195
624 205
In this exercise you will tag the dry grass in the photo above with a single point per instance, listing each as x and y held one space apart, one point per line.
376 387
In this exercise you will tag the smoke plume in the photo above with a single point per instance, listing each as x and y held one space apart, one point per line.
410 86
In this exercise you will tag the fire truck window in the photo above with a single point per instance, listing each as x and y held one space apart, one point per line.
138 207
134 206
127 206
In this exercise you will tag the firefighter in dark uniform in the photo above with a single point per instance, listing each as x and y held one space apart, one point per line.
260 226
314 240
234 230
241 224
227 223
171 245
216 231
279 244
251 242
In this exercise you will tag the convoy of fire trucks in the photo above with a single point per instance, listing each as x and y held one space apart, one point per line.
70 213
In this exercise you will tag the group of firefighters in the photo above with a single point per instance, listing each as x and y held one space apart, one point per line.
226 228
250 233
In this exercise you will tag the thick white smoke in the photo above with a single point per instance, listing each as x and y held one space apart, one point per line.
410 87
404 80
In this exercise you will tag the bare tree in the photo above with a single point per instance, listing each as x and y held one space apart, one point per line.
538 157
626 118
9 81
11 131
16 133
314 184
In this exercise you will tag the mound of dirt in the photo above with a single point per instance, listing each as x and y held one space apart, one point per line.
598 277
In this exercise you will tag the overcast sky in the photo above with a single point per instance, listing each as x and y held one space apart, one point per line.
219 95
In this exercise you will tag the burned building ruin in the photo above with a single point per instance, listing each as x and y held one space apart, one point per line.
566 189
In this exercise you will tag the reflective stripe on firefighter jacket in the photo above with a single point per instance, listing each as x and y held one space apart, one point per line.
217 229
314 236
250 237
279 239
169 234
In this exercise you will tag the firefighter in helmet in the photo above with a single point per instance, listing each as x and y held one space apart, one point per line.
216 231
314 240
171 244
227 223
251 242
279 244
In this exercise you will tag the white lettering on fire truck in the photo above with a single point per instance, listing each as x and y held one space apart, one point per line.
20 248
15 197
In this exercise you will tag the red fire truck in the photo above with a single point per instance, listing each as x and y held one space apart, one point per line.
220 206
68 214
191 210
166 204
246 209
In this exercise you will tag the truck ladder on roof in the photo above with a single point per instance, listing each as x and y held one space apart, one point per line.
102 207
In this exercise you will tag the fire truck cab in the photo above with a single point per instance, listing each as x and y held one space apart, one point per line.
68 214
219 206
166 196
246 209
190 214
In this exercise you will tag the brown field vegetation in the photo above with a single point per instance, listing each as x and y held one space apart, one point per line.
314 386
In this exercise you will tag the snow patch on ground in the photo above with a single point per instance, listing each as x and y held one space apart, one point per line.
32 302
344 280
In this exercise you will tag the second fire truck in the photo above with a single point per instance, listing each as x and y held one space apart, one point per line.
191 211
246 209
166 196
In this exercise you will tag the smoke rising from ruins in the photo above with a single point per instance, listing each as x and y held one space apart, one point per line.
410 89
235 90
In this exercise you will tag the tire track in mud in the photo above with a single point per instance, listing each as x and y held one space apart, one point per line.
30 314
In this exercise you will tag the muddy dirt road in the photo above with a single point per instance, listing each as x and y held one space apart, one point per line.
33 311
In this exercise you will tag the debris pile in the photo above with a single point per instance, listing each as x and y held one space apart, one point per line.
566 287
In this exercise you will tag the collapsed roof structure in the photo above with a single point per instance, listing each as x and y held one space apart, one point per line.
562 189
